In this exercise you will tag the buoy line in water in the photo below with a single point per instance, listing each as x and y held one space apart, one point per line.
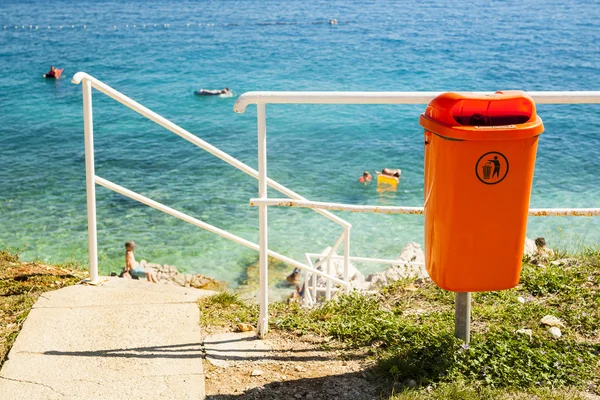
188 25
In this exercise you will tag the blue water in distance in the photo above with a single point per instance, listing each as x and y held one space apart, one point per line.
318 151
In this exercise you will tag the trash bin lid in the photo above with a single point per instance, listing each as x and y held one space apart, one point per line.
503 115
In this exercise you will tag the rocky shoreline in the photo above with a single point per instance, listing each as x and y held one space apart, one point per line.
169 274
405 268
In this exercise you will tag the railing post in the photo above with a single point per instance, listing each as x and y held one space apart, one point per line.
90 185
347 258
263 296
328 288
313 278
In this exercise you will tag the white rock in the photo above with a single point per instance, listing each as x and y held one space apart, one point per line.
551 320
256 372
375 281
555 332
412 252
521 300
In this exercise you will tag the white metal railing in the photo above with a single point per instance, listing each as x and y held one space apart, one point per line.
88 82
261 99
294 200
533 212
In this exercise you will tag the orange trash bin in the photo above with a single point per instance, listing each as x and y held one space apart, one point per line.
479 160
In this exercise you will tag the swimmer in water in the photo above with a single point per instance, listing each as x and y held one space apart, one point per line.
212 92
366 177
389 172
52 73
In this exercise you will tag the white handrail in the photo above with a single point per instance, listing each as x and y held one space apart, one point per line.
261 99
533 212
206 226
165 123
331 251
91 180
580 97
368 259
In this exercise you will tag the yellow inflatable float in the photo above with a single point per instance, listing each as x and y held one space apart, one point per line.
389 178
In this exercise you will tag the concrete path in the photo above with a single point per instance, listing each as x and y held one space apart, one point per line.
124 339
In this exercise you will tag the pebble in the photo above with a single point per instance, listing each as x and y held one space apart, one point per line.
300 368
521 300
412 383
555 332
245 327
256 372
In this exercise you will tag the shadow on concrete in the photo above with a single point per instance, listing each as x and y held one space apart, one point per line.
350 386
190 350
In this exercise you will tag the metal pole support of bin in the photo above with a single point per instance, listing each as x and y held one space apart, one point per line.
462 316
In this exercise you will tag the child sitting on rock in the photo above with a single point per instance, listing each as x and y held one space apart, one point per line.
134 268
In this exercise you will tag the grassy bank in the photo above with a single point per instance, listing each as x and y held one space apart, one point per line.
408 329
21 284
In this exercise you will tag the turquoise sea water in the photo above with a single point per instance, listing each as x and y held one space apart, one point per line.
317 151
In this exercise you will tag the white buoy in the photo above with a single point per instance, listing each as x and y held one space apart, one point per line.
23 27
16 27
72 26
134 26
60 27
114 26
48 26
30 26
84 27
555 332
36 27
126 25
4 26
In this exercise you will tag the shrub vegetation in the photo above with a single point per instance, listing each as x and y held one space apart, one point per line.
409 329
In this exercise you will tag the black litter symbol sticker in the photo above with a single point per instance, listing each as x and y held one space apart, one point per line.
491 168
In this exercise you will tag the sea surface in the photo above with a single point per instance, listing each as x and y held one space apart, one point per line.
159 52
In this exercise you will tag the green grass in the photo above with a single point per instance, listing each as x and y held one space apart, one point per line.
20 286
225 309
411 333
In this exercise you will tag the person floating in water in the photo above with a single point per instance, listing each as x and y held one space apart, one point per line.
390 172
294 278
212 92
53 73
135 269
366 177
496 163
